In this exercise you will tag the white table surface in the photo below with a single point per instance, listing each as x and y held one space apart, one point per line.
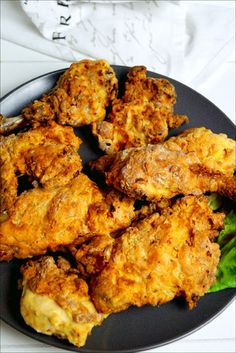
19 65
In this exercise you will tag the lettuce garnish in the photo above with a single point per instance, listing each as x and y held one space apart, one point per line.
226 270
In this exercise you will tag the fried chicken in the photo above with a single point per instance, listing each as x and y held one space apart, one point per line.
46 155
80 97
142 116
93 255
49 218
55 301
155 172
215 151
163 256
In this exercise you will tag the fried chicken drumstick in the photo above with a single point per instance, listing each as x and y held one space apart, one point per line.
80 97
142 116
49 218
55 301
156 172
162 257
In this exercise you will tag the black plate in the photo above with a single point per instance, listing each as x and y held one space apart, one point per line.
137 328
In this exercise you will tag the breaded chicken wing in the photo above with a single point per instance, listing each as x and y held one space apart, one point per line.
55 301
163 256
47 155
47 219
142 116
155 172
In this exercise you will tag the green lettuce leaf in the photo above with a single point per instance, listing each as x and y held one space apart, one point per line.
226 270
229 230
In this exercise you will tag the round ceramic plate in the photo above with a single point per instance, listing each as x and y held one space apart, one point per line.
137 328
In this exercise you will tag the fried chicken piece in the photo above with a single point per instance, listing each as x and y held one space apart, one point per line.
47 155
47 219
155 172
80 97
92 256
215 151
162 257
142 116
55 301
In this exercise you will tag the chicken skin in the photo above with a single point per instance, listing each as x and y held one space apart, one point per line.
163 256
50 218
156 172
47 155
55 301
142 116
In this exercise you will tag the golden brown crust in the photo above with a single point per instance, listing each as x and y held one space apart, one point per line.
217 152
45 276
48 218
92 256
80 97
94 253
163 256
47 155
112 215
141 116
57 285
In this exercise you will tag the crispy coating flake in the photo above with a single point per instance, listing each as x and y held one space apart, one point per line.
163 256
142 116
47 219
93 255
47 155
155 172
55 301
80 97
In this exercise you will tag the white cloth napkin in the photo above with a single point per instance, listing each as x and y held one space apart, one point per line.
185 40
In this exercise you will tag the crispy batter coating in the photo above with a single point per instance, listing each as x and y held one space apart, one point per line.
142 116
215 151
163 256
155 172
113 214
47 155
55 301
80 97
93 255
46 219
